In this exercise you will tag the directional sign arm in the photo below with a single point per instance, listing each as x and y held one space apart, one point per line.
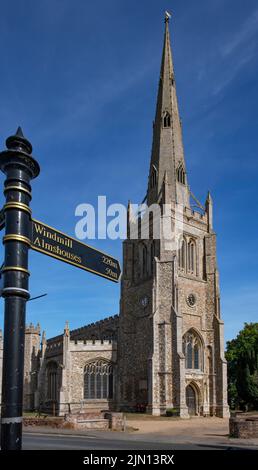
56 244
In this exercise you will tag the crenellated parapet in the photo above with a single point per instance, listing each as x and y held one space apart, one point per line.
31 329
196 216
92 345
100 334
102 330
54 348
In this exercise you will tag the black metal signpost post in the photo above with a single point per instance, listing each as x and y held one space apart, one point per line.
21 233
19 167
2 219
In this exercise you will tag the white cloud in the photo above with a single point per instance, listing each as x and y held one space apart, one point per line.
235 53
232 71
248 30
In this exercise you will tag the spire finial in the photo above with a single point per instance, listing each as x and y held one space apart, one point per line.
167 16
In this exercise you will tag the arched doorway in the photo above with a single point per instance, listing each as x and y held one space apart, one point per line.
191 400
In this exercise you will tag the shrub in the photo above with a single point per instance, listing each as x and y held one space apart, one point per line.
172 412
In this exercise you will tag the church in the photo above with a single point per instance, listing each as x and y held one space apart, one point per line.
165 349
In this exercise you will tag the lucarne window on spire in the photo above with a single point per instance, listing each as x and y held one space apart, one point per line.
153 179
181 174
167 119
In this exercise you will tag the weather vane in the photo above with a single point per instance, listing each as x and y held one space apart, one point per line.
167 16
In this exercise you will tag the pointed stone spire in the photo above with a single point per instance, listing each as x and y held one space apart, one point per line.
209 198
43 345
167 146
44 340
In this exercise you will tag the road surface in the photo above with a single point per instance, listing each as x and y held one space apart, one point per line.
35 441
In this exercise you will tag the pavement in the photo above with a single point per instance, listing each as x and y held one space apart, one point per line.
196 433
209 430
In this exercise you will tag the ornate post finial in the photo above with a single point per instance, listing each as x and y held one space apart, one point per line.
18 141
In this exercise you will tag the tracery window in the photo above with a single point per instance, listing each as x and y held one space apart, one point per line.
98 380
192 349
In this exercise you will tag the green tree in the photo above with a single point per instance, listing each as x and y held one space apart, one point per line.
242 357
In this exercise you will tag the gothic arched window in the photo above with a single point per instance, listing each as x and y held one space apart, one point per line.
153 178
98 380
166 120
192 349
52 381
181 174
191 256
182 255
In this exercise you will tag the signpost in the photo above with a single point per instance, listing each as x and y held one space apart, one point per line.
2 219
21 233
19 167
56 244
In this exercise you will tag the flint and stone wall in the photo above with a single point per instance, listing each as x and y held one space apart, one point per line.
155 332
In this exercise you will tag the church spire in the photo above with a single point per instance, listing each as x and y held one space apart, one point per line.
167 146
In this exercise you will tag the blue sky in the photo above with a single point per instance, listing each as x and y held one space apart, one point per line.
81 79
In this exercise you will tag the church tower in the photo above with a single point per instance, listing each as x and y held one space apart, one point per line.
170 345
